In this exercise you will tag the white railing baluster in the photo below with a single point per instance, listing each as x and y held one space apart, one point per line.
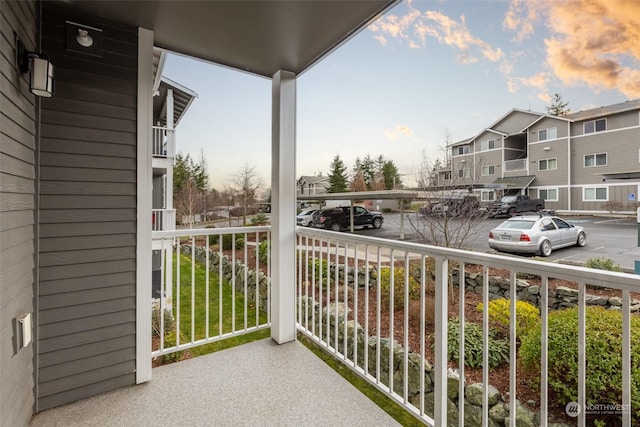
544 362
355 307
423 289
441 318
485 345
220 284
193 288
178 259
461 359
582 367
207 280
366 310
392 273
512 348
336 296
378 317
345 301
233 283
405 330
626 359
245 262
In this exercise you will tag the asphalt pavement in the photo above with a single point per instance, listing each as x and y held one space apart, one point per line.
609 237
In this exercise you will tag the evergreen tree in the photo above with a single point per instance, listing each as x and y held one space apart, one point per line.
390 175
557 106
338 178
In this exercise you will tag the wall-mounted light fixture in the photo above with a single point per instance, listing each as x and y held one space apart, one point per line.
547 148
41 81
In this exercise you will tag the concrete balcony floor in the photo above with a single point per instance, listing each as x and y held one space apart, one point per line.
256 384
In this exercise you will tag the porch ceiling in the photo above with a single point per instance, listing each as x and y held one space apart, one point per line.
260 37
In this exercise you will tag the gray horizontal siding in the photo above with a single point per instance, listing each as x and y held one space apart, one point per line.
515 122
17 214
87 215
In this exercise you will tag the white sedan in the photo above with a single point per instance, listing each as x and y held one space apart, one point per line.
536 234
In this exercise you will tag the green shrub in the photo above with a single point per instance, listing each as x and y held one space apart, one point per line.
227 240
603 354
176 356
317 265
527 315
260 219
263 252
473 352
603 264
398 286
169 322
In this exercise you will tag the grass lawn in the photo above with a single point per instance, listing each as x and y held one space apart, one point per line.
193 325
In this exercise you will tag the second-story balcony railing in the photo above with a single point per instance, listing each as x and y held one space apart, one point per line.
515 165
394 313
163 219
163 142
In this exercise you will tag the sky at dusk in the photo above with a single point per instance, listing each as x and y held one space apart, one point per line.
424 69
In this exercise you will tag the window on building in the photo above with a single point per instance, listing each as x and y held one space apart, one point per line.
487 195
447 175
487 145
463 173
488 170
595 194
463 149
548 194
544 134
595 126
547 164
591 160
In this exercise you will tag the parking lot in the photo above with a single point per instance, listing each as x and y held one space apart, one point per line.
615 238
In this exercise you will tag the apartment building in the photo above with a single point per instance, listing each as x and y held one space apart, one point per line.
584 162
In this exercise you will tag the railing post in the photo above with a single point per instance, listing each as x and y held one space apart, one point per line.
442 311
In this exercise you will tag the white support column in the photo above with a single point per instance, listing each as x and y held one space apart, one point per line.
144 205
283 202
171 140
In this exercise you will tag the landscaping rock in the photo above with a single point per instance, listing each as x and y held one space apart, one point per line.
595 300
473 416
452 409
499 412
534 290
453 383
526 417
615 301
567 292
473 393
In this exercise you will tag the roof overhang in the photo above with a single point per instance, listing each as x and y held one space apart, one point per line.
182 99
364 195
621 175
513 182
259 37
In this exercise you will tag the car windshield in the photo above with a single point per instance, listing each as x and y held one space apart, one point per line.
518 224
306 212
508 199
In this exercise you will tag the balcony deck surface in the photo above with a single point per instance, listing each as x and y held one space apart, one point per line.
256 384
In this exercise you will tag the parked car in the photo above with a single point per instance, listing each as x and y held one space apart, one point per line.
536 234
462 205
338 218
305 218
512 205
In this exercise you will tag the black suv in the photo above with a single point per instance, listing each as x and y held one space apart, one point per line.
338 218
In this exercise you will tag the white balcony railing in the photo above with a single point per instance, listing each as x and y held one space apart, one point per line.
163 219
352 300
163 142
225 293
515 165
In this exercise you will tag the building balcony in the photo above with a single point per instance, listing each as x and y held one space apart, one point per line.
163 219
163 142
352 302
515 165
